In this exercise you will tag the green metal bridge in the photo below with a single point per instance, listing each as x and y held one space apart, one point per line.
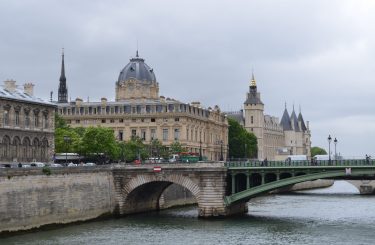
250 179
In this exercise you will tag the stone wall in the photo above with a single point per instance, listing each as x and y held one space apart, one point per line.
30 198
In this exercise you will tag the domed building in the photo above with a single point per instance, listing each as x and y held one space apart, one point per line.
138 110
136 81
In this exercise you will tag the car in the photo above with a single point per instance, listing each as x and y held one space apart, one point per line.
72 165
37 164
26 165
55 165
89 164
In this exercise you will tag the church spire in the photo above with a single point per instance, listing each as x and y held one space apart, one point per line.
63 90
62 76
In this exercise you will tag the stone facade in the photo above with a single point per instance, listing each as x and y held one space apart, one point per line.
140 111
276 139
26 125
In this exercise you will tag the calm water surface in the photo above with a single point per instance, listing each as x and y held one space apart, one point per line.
336 215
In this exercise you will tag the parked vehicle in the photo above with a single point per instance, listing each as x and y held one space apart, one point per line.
55 165
321 157
291 158
72 164
89 164
37 164
174 158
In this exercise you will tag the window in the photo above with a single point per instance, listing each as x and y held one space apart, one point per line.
78 121
134 132
152 119
143 134
134 120
153 133
121 120
187 134
177 119
17 118
45 121
142 120
36 120
121 135
112 120
6 118
103 120
252 119
27 120
165 134
176 134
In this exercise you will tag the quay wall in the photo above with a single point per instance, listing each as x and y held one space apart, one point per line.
30 198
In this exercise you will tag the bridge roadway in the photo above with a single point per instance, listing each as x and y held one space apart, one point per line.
223 189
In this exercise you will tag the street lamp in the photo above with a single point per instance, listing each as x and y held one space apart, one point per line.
246 151
200 150
329 148
66 140
335 141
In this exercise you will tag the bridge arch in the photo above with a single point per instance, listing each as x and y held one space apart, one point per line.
142 193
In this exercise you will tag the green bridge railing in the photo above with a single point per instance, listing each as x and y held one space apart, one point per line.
337 163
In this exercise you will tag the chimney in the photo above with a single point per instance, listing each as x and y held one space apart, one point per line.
28 88
10 85
104 101
78 101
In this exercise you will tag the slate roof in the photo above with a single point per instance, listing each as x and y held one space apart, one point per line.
294 121
285 121
137 69
303 125
20 95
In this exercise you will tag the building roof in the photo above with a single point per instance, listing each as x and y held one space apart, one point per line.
237 116
285 121
137 69
19 94
303 125
294 121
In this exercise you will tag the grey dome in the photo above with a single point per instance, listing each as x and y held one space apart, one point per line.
137 69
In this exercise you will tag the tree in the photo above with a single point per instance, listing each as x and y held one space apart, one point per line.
60 122
61 146
317 151
134 149
100 141
176 147
242 144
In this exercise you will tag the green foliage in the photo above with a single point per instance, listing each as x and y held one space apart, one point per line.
71 145
242 144
176 147
46 170
98 140
317 151
60 122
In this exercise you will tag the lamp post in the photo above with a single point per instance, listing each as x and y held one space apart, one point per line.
66 140
200 150
329 148
335 141
246 152
221 151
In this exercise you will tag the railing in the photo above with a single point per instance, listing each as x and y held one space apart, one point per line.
338 163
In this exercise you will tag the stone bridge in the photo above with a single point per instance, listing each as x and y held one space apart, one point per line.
223 189
139 188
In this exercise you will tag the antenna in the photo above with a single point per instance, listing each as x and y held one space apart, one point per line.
51 93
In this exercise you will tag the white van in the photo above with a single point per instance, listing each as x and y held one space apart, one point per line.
174 158
296 158
321 157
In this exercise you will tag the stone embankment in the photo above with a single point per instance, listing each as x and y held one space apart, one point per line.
31 198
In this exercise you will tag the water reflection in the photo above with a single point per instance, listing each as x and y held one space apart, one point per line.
332 215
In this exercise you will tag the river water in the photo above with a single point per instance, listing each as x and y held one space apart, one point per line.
335 215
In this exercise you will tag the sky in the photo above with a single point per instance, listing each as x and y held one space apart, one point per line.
316 55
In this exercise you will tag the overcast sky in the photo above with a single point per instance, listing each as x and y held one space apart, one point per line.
319 55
